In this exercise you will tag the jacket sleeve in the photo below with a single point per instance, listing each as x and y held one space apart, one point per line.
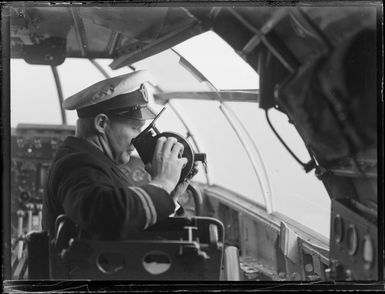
91 200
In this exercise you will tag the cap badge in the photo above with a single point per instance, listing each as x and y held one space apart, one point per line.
105 91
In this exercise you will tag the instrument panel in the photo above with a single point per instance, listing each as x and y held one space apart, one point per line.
353 243
33 147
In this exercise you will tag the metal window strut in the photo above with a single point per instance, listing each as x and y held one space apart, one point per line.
226 111
100 68
289 64
59 93
114 40
191 135
266 191
80 30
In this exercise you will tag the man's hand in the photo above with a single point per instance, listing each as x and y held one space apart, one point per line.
166 165
181 187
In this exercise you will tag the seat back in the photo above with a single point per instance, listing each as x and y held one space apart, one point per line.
176 249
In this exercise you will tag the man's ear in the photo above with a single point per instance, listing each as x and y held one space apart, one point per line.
100 123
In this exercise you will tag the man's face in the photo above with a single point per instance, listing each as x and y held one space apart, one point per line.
119 133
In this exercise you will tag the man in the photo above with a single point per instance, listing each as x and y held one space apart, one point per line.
85 182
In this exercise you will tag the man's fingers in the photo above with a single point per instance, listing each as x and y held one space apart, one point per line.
177 149
169 144
183 161
159 146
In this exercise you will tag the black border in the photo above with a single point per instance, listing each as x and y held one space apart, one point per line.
5 144
140 286
380 141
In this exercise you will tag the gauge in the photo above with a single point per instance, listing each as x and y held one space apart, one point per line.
368 252
338 228
352 239
309 268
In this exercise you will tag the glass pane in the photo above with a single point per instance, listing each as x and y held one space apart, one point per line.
218 62
171 75
293 190
75 75
228 163
34 98
31 96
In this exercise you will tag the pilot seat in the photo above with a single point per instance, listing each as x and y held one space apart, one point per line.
178 248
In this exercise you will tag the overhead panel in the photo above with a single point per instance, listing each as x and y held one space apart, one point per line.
127 34
173 26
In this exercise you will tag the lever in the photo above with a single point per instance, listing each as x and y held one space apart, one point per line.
29 207
39 208
20 218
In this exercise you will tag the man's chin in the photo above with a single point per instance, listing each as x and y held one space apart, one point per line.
124 159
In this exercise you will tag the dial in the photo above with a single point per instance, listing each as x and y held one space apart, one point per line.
368 252
352 240
338 228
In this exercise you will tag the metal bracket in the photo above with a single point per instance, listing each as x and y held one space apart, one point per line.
80 30
281 53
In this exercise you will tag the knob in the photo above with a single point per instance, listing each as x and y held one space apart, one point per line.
24 196
37 143
20 142
29 206
20 213
335 272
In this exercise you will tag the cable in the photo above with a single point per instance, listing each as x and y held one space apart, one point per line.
307 166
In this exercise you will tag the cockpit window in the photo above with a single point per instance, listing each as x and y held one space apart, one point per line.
31 97
285 184
253 164
228 164
87 73
218 62
44 96
292 189
171 73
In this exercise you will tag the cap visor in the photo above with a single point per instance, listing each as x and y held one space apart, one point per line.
147 113
143 113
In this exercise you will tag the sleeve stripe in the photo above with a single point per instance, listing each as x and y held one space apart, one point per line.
145 206
150 204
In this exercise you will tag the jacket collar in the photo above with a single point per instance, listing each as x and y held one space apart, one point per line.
83 146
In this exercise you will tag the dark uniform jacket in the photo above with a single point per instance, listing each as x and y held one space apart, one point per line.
88 187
